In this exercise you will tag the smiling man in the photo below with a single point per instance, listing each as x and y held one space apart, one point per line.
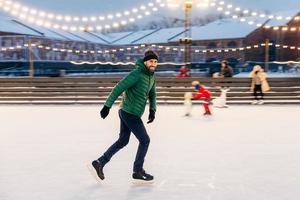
138 86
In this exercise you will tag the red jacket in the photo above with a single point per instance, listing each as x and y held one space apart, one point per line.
183 73
202 92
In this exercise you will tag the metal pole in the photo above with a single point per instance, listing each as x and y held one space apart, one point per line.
31 65
267 55
188 32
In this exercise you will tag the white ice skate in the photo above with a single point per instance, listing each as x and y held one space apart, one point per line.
260 102
220 102
254 102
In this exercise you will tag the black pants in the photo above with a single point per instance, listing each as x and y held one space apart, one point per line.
129 123
257 88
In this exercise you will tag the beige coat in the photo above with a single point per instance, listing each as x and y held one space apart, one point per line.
262 76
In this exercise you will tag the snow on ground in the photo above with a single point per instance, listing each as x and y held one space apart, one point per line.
243 152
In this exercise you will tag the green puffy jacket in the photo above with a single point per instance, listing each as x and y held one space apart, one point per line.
139 85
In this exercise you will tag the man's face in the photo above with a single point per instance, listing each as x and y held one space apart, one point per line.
151 64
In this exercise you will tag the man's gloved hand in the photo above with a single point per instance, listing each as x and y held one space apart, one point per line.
151 116
104 111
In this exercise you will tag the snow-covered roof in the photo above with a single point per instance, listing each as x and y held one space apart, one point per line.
44 31
161 36
115 37
284 21
12 26
223 29
103 37
135 36
89 37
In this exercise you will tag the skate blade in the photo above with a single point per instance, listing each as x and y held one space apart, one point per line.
93 172
142 182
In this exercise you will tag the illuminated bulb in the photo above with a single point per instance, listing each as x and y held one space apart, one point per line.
246 11
84 19
110 17
262 15
73 28
76 19
65 28
33 12
93 19
115 25
25 9
50 16
67 18
90 28
101 18
59 17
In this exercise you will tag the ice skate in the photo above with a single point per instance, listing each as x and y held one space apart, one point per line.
207 113
97 169
260 102
254 102
142 176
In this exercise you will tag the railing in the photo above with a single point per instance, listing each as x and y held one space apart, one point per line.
94 90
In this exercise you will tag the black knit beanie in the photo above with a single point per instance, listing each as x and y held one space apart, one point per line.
150 55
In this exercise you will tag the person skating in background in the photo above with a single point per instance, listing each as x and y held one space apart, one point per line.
184 72
138 86
203 93
259 84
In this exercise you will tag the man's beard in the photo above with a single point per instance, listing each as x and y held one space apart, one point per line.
152 69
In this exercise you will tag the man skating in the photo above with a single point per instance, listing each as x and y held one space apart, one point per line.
138 86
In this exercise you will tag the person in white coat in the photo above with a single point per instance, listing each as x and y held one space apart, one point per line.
259 84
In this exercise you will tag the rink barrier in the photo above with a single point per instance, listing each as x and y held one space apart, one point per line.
170 90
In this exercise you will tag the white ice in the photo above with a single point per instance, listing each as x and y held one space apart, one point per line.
239 153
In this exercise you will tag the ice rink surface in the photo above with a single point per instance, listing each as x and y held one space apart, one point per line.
239 153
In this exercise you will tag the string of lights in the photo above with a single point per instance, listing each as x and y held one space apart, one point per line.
153 46
230 10
75 23
119 63
243 15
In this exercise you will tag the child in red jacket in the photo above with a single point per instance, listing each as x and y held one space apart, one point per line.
203 93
